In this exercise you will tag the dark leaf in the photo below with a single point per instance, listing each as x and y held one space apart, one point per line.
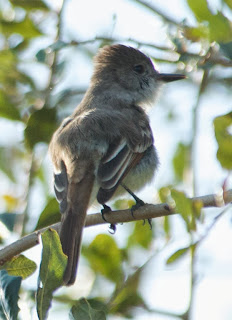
9 219
9 296
40 127
30 5
83 310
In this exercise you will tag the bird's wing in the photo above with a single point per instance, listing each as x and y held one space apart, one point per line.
120 158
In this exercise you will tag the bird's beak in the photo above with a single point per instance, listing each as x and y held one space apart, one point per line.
168 77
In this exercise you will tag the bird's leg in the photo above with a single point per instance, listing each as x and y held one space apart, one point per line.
107 209
139 203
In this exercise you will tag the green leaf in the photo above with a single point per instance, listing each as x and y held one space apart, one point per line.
83 310
9 287
30 5
181 160
128 296
220 28
185 208
25 28
52 268
20 266
196 34
167 226
105 257
49 215
40 127
7 109
229 3
140 236
177 255
223 134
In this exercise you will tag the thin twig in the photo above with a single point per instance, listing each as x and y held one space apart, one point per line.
148 211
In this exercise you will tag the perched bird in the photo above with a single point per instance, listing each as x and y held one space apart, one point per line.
106 141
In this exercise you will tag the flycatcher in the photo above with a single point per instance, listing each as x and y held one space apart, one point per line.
106 141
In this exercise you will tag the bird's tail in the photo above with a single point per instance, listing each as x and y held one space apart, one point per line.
76 196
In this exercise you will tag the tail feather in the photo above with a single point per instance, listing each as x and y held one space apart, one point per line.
73 221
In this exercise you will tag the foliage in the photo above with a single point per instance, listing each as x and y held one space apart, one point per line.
38 109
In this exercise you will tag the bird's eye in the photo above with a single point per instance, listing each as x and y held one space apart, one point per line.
139 68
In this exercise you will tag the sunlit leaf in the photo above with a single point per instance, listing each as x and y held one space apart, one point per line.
220 28
50 214
184 207
141 235
177 255
52 268
40 127
7 109
196 34
105 257
229 3
83 310
25 28
19 266
223 133
9 287
181 160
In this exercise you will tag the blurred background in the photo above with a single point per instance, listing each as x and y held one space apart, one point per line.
182 268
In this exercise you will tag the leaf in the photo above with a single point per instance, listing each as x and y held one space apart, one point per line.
83 310
227 48
20 266
196 33
30 5
41 55
52 268
184 207
105 257
219 26
229 3
181 160
177 255
128 297
9 287
9 219
223 134
7 109
40 127
49 215
140 236
26 28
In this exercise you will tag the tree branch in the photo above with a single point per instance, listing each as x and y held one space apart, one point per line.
148 211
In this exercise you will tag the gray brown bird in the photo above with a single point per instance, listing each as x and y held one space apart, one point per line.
107 140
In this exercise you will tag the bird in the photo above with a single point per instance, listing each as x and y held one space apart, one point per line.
107 141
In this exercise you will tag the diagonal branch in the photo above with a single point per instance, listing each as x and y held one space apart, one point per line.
148 211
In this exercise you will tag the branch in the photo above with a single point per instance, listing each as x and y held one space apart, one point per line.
148 211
